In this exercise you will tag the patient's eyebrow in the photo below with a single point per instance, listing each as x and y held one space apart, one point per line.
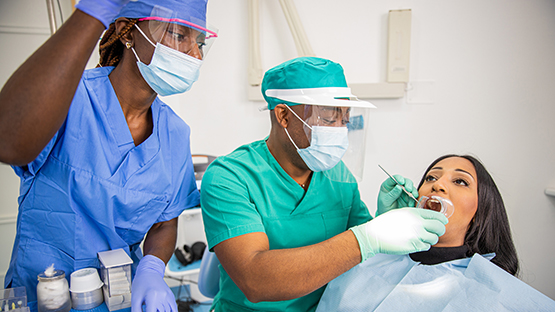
466 173
460 170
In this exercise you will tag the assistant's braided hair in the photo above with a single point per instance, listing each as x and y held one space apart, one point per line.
111 48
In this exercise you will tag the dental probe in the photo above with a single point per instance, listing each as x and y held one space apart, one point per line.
408 193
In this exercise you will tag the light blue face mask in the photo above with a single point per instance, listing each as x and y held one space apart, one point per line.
170 71
327 146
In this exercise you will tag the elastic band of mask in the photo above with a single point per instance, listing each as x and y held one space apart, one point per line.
290 139
298 117
136 56
142 33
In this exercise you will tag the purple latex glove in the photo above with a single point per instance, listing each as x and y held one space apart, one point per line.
102 10
149 288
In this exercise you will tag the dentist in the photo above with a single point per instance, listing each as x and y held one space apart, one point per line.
284 214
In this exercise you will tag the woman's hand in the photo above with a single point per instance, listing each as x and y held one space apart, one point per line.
102 10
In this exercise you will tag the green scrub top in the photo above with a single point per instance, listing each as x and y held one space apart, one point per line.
247 191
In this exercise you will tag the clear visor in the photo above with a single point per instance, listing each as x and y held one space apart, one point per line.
187 36
352 118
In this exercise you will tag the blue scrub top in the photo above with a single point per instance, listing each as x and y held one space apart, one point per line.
91 189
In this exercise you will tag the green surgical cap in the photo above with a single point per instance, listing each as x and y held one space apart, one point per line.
302 73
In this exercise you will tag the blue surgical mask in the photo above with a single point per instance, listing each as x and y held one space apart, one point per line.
170 71
327 146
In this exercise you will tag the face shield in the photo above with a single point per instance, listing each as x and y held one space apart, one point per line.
185 34
333 107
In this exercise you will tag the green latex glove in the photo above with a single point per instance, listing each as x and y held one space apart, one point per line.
400 231
392 196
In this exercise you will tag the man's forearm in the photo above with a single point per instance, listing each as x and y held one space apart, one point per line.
285 274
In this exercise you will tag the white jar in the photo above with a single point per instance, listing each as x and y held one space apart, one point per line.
53 292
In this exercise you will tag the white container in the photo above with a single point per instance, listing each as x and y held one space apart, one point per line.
85 280
115 271
87 300
86 291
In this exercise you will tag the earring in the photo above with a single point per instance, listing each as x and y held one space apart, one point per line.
128 45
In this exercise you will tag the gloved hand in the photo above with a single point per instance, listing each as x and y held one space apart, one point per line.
102 10
400 231
148 287
392 196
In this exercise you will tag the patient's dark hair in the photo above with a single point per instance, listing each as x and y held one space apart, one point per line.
489 231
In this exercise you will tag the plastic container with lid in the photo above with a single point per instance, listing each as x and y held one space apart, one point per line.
53 291
13 300
115 270
86 289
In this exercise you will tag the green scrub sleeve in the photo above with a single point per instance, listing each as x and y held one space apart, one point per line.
359 213
227 210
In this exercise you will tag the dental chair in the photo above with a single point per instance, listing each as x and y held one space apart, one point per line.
177 274
209 275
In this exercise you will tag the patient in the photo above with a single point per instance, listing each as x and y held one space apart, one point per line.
472 267
479 223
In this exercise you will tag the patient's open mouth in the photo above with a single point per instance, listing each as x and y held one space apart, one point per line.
436 203
433 204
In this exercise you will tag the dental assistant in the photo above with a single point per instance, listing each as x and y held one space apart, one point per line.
284 214
102 160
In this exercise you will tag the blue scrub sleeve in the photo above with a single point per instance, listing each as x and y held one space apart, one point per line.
227 210
31 169
186 195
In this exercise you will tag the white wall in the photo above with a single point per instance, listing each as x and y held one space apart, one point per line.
491 64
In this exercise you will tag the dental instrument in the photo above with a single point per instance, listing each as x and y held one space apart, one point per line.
402 186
